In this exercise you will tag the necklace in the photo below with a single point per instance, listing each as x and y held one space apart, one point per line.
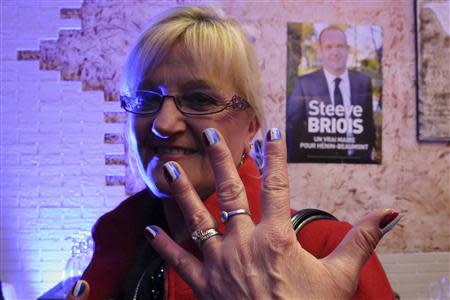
156 282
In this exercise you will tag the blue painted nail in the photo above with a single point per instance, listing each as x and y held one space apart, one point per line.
151 232
79 288
210 136
171 171
274 134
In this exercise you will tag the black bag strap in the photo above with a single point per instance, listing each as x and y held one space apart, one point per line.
304 216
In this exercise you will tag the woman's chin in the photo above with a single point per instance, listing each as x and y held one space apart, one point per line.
160 194
159 187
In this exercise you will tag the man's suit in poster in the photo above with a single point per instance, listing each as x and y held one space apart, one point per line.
317 131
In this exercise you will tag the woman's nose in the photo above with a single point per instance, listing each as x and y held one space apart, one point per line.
168 120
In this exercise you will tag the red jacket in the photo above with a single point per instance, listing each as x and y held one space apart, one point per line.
117 233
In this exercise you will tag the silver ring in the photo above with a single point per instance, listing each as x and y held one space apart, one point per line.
225 216
200 236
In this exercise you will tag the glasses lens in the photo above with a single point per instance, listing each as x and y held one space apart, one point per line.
198 103
146 102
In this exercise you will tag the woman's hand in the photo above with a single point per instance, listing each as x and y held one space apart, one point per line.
265 260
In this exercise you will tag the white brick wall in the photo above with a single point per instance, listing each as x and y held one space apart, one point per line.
411 274
52 153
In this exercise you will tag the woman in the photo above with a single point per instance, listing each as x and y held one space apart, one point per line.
216 229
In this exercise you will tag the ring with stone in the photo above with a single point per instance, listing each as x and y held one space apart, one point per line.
200 236
226 215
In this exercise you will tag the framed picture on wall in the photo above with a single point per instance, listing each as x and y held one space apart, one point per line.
334 93
432 19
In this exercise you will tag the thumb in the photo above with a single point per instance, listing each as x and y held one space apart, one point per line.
79 291
360 242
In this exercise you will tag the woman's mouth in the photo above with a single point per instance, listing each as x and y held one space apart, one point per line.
173 151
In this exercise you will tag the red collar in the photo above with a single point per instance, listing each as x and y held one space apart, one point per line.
250 177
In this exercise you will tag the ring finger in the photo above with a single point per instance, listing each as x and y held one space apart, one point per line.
199 221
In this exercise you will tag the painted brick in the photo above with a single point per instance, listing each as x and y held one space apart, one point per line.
114 192
69 194
9 20
10 181
52 276
28 223
28 70
411 273
9 159
8 224
39 201
19 276
91 191
88 171
8 119
23 212
10 138
58 213
78 224
9 201
53 222
93 213
36 245
57 256
112 127
52 266
10 46
61 3
86 202
93 107
50 129
32 263
49 76
112 106
25 149
7 34
9 244
10 75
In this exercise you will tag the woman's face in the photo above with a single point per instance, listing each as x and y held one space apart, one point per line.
171 136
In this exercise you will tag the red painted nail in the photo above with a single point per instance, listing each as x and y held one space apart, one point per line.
388 219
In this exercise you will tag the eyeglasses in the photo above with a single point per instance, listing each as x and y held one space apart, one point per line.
194 103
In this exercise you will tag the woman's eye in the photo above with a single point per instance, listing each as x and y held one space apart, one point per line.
148 101
199 100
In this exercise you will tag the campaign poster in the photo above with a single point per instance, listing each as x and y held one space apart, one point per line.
334 89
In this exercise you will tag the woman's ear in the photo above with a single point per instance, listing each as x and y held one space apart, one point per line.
253 128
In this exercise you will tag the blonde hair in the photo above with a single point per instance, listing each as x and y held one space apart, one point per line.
218 46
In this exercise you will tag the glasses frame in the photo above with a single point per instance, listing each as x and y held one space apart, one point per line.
236 103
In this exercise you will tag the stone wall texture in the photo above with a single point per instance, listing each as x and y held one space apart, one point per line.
413 178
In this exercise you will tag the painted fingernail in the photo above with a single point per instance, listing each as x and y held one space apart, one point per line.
78 288
171 171
210 136
274 134
389 221
150 232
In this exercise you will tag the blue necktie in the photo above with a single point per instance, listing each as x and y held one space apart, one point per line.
337 92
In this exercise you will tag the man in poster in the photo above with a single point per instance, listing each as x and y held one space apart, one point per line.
330 115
